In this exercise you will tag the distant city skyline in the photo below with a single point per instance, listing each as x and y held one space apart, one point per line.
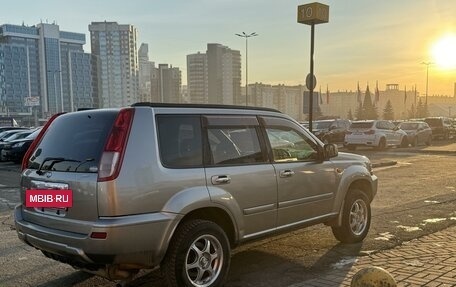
365 40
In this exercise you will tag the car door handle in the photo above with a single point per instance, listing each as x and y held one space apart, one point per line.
220 179
287 173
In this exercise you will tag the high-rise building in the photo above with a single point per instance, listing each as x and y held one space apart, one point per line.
166 84
224 74
197 81
46 65
145 73
287 99
215 77
115 45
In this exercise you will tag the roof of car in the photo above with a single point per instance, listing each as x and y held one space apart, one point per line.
206 106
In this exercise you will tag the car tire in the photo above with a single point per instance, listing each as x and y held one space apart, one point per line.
356 218
198 255
404 142
382 144
429 141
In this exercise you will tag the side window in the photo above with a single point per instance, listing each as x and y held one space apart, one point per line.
180 141
235 145
289 142
391 125
382 125
289 145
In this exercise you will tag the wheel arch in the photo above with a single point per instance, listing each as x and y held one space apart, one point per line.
360 184
217 215
363 185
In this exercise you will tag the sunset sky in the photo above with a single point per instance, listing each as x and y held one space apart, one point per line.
365 40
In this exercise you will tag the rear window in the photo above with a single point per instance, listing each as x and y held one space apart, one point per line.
409 126
434 122
74 142
361 125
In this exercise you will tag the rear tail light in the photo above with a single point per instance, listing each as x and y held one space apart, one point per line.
369 132
111 159
37 140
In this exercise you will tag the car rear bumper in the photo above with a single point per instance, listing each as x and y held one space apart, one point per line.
136 240
361 141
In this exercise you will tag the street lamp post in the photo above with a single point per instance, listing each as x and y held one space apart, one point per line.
427 77
246 36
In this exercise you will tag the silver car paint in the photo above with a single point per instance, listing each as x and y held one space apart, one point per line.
142 207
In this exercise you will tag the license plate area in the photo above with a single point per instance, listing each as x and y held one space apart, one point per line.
54 200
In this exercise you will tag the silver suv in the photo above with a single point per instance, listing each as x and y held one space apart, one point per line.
177 186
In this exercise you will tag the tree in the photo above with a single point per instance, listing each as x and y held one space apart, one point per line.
388 113
359 114
412 112
422 110
317 111
369 110
350 115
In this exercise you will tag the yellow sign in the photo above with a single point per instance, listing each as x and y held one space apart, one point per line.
313 13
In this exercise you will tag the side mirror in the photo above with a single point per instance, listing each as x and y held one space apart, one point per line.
330 150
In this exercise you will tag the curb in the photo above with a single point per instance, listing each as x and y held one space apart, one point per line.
434 151
384 163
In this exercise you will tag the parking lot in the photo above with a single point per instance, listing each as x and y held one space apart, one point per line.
416 197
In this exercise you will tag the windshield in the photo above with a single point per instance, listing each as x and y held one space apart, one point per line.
34 134
361 125
17 136
434 122
74 142
323 125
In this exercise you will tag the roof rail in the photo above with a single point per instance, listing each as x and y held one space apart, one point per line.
212 106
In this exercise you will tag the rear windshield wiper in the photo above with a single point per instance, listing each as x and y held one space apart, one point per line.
53 160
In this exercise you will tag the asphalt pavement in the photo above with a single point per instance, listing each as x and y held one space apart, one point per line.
429 260
426 261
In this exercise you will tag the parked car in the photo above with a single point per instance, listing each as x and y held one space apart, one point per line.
417 133
177 186
331 131
441 127
7 133
375 133
7 128
8 140
16 149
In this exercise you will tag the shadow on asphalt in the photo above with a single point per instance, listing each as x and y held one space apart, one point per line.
68 280
253 268
257 268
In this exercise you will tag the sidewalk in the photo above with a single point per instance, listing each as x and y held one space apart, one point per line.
427 261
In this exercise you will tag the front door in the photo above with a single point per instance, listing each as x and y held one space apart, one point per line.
306 185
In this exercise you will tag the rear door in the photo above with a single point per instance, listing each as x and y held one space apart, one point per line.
68 157
238 171
385 129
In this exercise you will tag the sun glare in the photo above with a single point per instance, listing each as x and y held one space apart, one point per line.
444 52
